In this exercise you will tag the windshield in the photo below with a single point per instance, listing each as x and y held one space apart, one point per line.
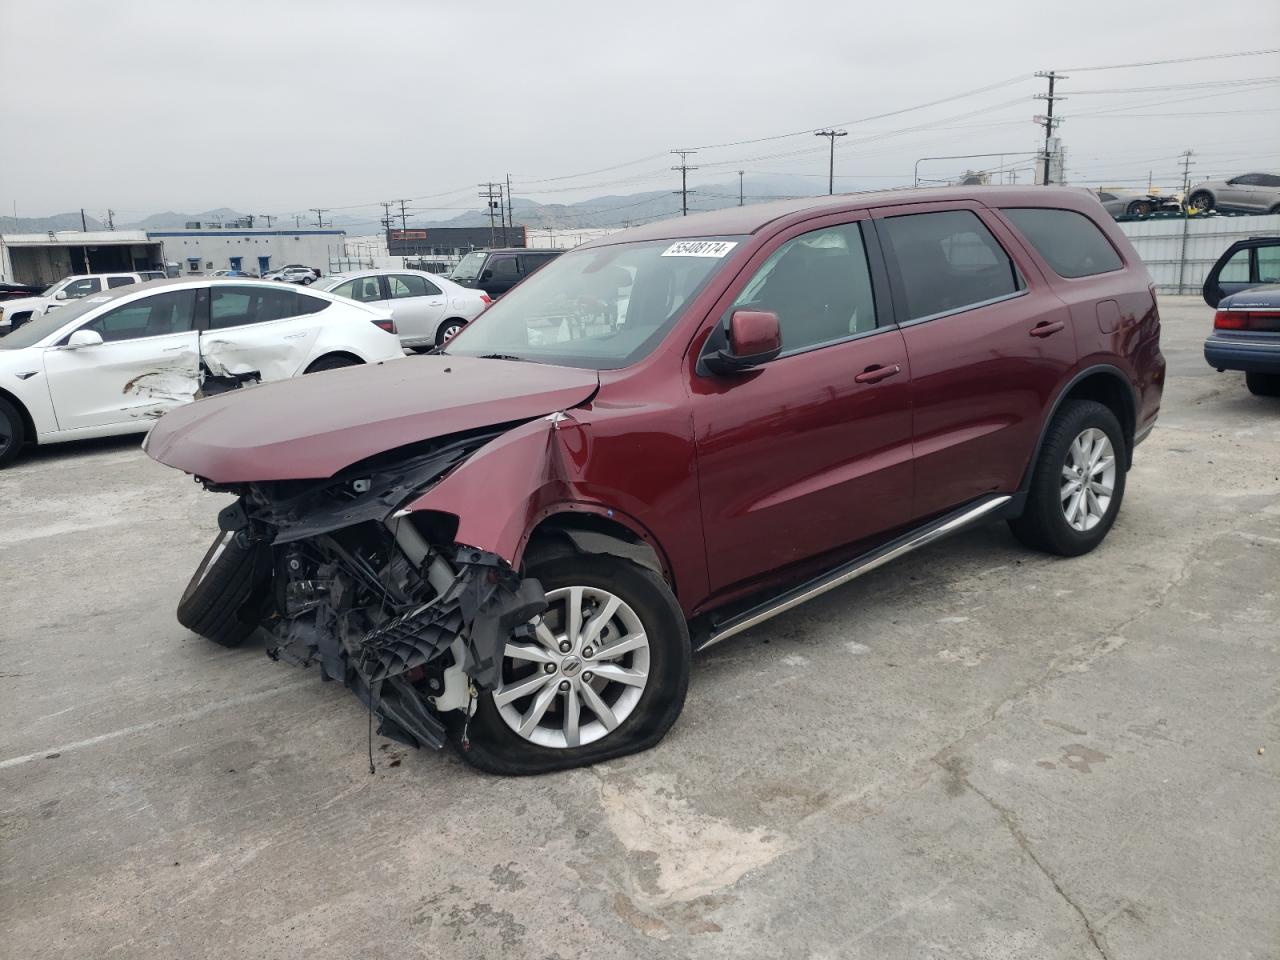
602 308
468 267
34 331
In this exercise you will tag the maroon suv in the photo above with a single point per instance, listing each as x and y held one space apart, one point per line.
664 438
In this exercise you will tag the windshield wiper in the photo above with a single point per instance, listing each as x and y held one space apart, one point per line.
499 356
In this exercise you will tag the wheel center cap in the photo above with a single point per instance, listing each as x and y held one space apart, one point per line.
570 666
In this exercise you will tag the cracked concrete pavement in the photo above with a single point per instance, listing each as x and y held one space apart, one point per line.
978 752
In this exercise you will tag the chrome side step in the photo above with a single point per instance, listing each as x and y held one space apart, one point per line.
855 568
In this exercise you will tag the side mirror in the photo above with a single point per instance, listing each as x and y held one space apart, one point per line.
486 275
84 338
754 336
60 295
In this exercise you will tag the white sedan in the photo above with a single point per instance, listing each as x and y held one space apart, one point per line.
111 363
428 309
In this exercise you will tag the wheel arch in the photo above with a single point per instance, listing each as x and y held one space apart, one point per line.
1105 384
580 529
28 422
331 354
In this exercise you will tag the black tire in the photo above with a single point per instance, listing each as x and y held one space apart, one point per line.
1139 208
495 748
334 361
1043 525
448 330
13 433
220 587
1201 201
1259 384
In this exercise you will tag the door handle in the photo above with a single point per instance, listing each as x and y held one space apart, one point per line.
875 373
1047 328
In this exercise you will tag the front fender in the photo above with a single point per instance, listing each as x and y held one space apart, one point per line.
497 493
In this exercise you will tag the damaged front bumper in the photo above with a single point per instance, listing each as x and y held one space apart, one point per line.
382 599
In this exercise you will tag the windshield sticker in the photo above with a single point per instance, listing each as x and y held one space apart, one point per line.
700 248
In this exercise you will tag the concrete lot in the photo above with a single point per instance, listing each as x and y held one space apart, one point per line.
977 753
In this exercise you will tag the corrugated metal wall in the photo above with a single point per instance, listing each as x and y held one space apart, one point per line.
1163 248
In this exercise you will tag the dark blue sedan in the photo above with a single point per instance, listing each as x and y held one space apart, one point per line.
1246 327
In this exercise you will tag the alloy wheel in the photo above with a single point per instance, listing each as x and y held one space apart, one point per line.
582 675
1088 479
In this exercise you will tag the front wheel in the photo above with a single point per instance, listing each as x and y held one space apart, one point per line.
12 432
1078 482
219 589
604 676
1259 384
1200 202
1139 208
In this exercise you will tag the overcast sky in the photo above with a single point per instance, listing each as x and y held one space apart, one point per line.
274 107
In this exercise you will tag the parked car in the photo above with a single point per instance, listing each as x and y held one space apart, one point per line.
111 363
428 310
1132 203
15 291
664 438
1244 288
497 271
294 273
19 311
1247 193
230 273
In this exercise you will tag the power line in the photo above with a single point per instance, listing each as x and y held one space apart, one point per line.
1159 63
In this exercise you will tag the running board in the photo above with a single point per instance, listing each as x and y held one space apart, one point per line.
816 587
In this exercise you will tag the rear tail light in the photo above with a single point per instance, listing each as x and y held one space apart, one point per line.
388 325
486 299
1261 320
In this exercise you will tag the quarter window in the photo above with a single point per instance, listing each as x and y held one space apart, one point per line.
237 306
1236 270
308 304
154 316
948 261
1070 242
819 286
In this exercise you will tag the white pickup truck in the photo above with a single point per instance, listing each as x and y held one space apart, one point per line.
14 313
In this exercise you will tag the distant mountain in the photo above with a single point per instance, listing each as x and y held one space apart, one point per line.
170 220
59 221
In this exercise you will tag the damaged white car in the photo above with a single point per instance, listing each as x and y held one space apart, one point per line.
111 363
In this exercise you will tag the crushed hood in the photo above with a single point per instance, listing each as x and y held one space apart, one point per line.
314 425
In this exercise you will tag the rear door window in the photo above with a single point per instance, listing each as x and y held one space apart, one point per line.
407 285
1269 264
1070 242
113 282
948 261
237 306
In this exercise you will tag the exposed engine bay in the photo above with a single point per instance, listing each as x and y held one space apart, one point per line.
382 599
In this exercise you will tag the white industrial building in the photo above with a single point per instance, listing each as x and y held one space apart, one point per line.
44 258
256 251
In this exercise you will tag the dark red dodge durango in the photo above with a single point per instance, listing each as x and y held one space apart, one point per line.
664 438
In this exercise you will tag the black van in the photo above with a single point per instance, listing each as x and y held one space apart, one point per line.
497 271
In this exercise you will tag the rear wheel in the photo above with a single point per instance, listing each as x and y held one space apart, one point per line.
12 433
1259 384
334 361
448 330
604 677
1078 482
1139 208
220 587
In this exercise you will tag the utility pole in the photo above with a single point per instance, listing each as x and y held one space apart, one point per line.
1047 120
404 223
740 173
319 212
831 167
111 219
267 217
387 219
511 220
84 227
684 190
492 196
297 221
1186 214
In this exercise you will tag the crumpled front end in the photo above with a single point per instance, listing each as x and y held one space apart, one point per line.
383 600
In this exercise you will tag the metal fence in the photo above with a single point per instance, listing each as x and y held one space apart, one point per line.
1179 251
